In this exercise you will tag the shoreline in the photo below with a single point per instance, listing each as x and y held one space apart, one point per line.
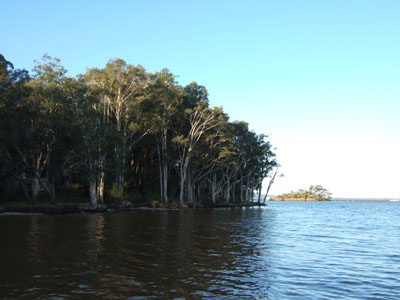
68 209
297 199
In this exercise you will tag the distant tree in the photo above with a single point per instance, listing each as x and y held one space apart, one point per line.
320 193
314 192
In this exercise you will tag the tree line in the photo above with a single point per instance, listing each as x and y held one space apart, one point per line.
314 193
121 134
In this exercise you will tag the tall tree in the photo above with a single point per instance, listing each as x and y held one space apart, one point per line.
201 120
93 132
120 87
166 97
13 96
40 115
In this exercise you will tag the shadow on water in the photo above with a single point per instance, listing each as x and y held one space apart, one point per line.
337 250
196 254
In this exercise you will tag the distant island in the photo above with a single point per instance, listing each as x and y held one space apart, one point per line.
314 193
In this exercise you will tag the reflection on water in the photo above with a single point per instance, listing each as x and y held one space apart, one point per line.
285 251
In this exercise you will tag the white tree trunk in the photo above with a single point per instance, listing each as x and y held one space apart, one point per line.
121 168
246 191
228 191
100 187
213 187
270 184
165 165
182 190
241 188
161 174
233 191
100 182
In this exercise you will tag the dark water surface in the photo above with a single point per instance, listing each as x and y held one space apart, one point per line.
299 250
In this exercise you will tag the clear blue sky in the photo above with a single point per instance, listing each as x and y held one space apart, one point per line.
322 78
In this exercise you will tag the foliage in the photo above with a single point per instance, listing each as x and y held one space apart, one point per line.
116 193
316 192
119 134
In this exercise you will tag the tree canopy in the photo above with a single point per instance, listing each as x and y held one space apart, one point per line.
122 134
314 193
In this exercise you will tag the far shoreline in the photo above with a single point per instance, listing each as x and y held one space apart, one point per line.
297 199
394 199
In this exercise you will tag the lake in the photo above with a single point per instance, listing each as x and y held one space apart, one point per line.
286 250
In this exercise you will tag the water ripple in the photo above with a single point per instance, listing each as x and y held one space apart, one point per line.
336 250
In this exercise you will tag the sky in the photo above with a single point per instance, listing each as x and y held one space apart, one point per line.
320 78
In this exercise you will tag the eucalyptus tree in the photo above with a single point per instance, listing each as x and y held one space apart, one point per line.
5 71
272 177
316 193
97 135
320 193
13 98
230 167
234 172
41 118
259 164
53 126
120 88
249 161
166 96
265 161
201 119
249 152
207 159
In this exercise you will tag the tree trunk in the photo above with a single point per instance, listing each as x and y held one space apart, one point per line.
50 189
182 190
233 191
228 191
190 187
183 170
161 174
100 178
100 187
198 189
93 192
270 184
53 192
259 195
35 187
165 165
191 193
121 180
213 187
246 191
251 194
26 192
241 189
165 183
182 173
121 169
